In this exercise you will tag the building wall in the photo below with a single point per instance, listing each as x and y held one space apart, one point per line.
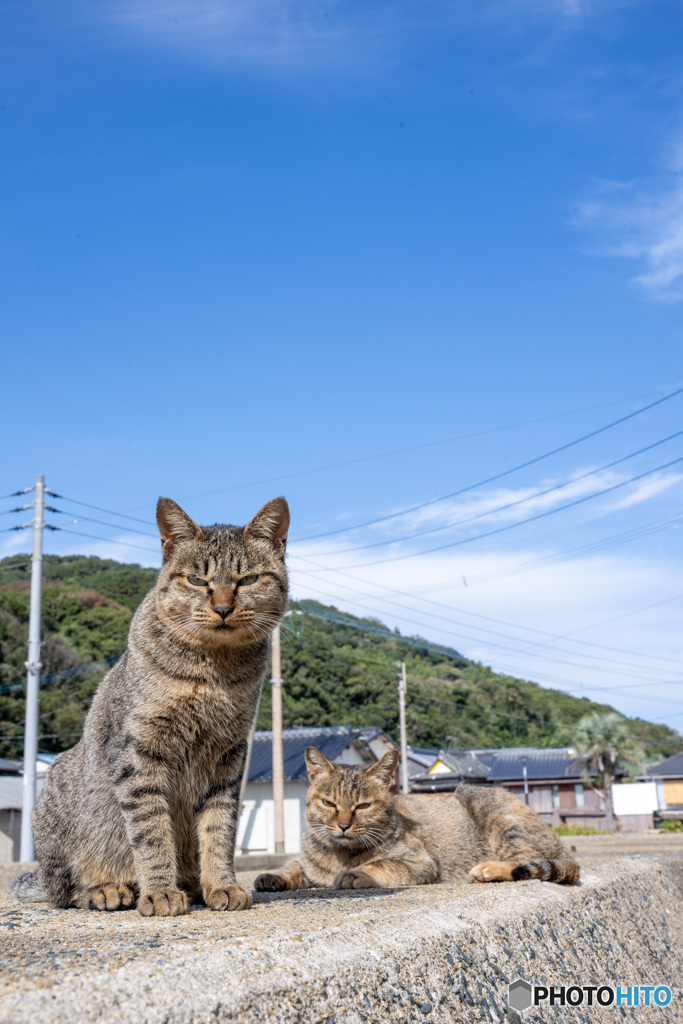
256 830
10 833
673 792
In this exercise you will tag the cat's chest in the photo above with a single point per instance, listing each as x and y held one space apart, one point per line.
192 716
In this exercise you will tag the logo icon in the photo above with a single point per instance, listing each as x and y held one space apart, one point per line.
520 995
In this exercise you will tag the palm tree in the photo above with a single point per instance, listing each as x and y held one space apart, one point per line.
603 740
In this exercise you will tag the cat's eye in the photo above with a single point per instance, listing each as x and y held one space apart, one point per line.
248 580
362 807
196 582
328 803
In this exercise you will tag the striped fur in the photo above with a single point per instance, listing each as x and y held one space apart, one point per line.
359 836
144 808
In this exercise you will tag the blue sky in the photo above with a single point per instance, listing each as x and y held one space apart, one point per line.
242 242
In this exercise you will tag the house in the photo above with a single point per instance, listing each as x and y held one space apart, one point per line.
11 799
341 744
420 760
448 770
668 779
556 785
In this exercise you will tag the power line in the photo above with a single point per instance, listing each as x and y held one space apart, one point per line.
417 447
97 508
107 540
100 522
342 620
540 656
498 476
67 673
507 505
637 533
522 522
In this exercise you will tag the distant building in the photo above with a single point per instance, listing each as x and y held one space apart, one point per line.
11 799
448 770
668 778
556 783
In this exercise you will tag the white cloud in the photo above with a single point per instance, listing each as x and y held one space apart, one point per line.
643 224
647 489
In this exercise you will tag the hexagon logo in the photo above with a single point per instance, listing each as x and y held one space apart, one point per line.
520 995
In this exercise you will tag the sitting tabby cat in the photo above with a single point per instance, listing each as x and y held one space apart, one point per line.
144 807
359 837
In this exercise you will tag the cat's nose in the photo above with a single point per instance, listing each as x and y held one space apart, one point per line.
223 610
344 825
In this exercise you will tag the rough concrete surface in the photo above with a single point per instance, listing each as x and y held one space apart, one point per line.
437 953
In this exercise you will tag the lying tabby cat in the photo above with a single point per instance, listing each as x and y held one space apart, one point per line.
359 837
144 807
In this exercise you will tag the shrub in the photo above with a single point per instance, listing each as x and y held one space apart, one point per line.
574 830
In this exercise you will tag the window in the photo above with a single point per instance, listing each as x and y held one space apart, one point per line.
556 796
578 794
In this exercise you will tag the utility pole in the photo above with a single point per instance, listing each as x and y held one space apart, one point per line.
33 666
402 691
278 758
524 760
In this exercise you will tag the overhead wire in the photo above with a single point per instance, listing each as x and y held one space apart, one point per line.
521 522
555 558
497 476
542 656
98 508
108 540
505 507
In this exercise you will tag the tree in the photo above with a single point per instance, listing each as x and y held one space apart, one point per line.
603 740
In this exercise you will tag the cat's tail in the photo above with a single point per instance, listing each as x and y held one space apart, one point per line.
27 889
562 870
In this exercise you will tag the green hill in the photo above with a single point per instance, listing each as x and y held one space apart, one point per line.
337 669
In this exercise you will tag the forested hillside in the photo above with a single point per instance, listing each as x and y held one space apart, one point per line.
335 672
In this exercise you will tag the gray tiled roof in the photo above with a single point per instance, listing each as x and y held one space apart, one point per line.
330 741
551 763
671 766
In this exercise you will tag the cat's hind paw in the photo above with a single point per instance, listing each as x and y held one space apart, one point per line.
491 871
270 883
164 903
228 897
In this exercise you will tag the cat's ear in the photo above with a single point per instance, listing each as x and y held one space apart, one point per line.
385 768
316 763
270 523
174 525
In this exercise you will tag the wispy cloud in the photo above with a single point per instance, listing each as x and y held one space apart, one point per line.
643 223
273 34
498 506
319 35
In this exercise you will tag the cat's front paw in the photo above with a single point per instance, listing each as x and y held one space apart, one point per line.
270 883
228 897
357 879
164 903
108 896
